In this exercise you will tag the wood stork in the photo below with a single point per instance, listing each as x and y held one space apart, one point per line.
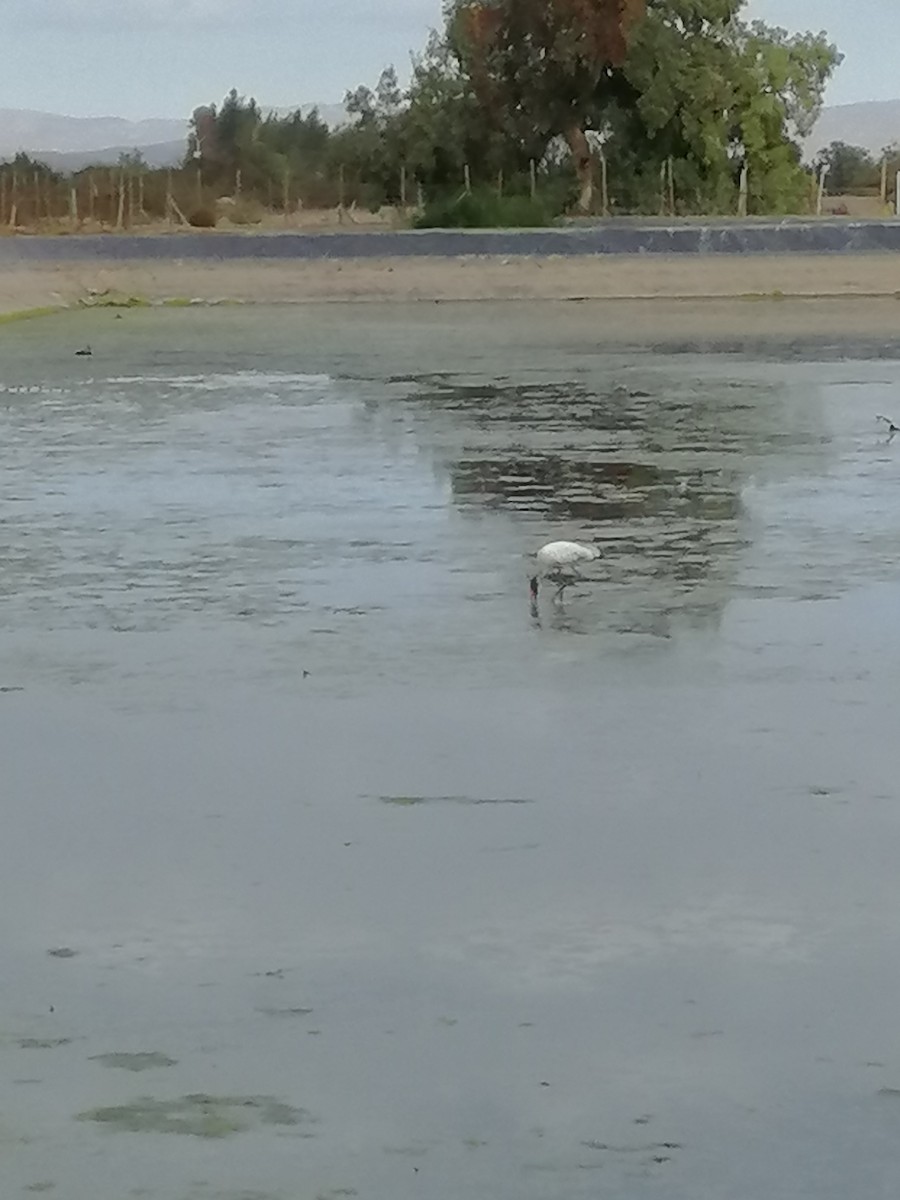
558 562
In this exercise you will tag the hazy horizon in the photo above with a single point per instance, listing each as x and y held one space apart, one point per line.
100 58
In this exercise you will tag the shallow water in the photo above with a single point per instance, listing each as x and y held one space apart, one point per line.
330 868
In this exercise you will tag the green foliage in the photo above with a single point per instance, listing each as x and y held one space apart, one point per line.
443 129
537 67
484 209
715 95
849 168
132 162
25 167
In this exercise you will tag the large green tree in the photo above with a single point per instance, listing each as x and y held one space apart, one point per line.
680 81
443 128
716 95
538 65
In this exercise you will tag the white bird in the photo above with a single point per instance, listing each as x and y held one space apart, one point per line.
558 562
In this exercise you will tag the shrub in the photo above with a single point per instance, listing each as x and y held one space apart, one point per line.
202 218
483 209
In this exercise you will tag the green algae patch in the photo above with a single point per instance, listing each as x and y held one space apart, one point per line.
29 314
197 1115
142 1061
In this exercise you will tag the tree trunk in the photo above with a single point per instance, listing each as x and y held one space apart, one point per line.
581 156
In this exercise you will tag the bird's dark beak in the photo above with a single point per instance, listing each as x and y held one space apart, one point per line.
533 586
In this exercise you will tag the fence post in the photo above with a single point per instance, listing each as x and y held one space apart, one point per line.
237 182
742 192
120 214
820 194
884 180
604 184
2 197
286 199
467 178
73 205
532 172
500 183
402 185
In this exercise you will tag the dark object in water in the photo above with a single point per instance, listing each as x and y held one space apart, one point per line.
892 428
84 352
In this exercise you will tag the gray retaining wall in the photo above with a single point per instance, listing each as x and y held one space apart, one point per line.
604 238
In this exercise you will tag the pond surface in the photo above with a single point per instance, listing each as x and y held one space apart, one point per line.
330 867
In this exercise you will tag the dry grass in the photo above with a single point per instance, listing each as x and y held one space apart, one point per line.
860 207
241 218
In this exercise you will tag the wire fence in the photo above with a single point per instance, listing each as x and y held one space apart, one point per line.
127 197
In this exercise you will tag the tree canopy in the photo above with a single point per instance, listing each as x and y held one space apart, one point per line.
537 67
714 95
684 99
847 168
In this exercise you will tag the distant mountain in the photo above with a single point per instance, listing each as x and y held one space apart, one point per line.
873 124
159 154
22 129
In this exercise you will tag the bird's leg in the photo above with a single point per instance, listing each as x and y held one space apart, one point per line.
564 581
569 580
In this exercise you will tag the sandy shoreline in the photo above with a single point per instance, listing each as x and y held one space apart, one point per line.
751 295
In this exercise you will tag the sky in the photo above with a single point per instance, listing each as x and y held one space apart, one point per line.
161 58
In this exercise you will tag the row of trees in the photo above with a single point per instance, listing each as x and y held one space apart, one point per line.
684 86
854 169
679 101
